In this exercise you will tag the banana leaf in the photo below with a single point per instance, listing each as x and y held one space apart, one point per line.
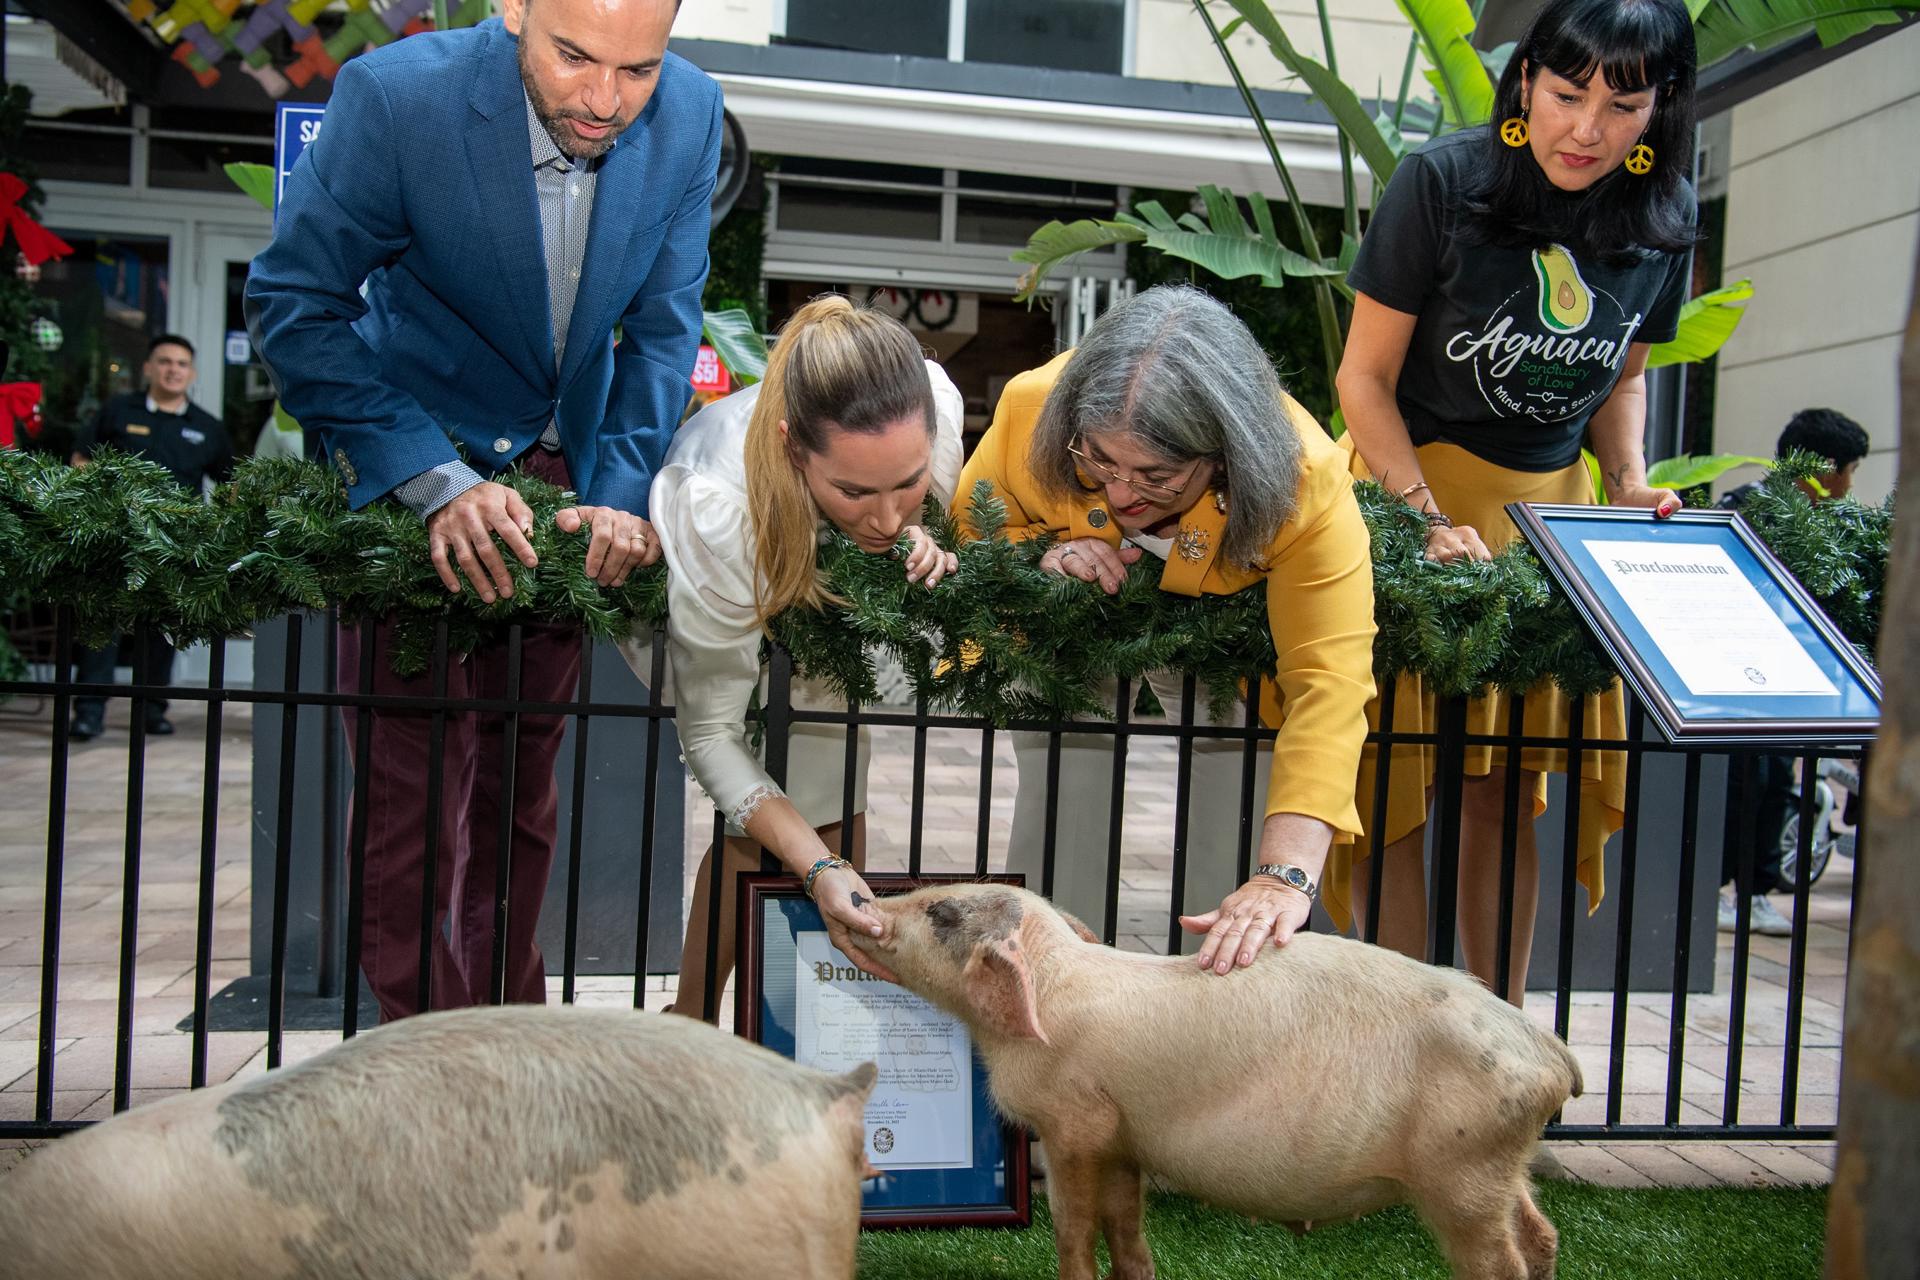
1593 474
1396 142
737 342
1223 243
1724 27
254 179
1058 241
1706 322
1695 470
1495 60
1329 90
1445 28
1220 241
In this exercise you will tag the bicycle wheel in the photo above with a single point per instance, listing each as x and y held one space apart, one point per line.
1823 840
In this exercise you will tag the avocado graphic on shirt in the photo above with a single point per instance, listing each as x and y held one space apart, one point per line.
1566 304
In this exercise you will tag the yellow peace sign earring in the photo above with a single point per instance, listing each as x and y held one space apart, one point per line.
1640 159
1513 131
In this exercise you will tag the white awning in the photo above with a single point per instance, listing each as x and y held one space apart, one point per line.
1029 137
61 77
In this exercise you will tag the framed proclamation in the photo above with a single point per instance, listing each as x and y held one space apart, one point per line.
1713 634
946 1157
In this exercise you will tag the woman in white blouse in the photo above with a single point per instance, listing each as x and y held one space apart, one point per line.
850 429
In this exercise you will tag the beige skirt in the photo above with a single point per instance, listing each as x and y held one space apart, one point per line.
1475 493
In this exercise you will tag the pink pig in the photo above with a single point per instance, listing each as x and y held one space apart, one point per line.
1328 1080
518 1141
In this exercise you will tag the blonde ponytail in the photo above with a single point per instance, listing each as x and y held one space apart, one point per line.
835 367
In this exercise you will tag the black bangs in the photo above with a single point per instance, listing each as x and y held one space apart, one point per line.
1635 45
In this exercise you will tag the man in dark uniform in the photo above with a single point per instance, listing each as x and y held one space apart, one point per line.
1843 442
163 426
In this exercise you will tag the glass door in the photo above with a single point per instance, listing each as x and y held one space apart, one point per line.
232 383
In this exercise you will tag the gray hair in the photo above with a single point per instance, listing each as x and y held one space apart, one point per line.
1177 371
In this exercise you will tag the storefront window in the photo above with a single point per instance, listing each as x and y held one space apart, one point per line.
870 26
1068 35
846 197
199 164
1003 209
247 396
189 147
76 155
108 299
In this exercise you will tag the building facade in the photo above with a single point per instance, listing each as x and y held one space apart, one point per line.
908 149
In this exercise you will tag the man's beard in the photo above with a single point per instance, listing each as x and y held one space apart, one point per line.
571 144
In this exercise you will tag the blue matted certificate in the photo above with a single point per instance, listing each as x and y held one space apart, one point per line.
1715 636
947 1157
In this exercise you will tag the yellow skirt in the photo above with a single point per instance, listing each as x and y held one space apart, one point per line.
1475 493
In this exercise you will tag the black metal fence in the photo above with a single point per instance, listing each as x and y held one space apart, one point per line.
1666 861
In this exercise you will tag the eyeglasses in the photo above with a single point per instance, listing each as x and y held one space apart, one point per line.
1107 475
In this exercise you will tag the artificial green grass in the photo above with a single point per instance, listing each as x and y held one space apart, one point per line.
1664 1234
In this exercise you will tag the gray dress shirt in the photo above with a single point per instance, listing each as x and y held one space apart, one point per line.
564 189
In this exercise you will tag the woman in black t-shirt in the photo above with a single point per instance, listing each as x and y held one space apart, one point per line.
1508 288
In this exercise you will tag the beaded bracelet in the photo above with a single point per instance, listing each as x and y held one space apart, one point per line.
827 863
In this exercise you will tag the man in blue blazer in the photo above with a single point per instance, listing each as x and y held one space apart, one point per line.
507 194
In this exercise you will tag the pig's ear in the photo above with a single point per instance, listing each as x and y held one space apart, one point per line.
999 985
1079 926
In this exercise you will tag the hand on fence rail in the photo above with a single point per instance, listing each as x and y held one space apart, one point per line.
1447 543
463 531
620 542
928 559
1092 560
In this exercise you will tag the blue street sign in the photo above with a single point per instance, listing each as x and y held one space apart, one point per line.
295 125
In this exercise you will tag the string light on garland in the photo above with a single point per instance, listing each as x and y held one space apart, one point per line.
24 271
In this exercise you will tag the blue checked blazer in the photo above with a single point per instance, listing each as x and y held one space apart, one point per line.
420 184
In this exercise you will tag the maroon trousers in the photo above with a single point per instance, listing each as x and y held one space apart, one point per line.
472 795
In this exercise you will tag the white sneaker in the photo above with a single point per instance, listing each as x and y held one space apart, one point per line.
1766 919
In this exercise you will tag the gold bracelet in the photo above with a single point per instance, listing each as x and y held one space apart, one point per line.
1414 488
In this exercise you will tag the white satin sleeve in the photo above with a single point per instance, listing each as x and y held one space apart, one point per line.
713 636
949 419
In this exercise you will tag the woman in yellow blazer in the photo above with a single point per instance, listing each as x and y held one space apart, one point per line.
1166 433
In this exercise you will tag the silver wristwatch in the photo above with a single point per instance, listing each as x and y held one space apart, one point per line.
1291 876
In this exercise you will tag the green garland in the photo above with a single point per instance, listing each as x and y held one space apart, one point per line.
122 544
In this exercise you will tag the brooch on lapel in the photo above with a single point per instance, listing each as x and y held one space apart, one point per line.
1191 543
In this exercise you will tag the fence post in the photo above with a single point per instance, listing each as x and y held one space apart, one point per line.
1443 887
